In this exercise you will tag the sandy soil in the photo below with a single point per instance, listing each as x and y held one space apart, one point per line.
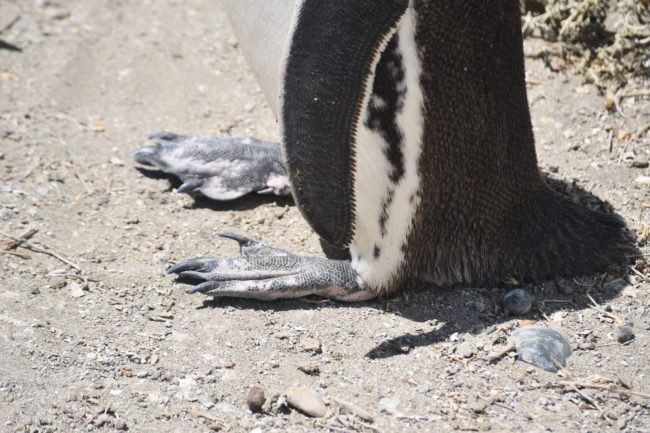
108 341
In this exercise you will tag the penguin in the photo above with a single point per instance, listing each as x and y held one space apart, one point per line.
406 139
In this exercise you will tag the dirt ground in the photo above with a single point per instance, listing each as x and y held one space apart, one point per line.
101 339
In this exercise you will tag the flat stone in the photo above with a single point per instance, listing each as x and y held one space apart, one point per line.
309 368
306 401
541 347
310 344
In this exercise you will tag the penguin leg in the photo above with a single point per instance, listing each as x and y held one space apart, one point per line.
267 273
221 168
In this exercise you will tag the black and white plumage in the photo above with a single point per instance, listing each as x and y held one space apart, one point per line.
407 139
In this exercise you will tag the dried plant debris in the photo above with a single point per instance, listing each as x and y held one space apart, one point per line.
608 40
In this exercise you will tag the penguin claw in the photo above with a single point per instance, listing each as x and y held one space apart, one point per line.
200 264
163 135
190 185
146 155
236 237
203 287
250 247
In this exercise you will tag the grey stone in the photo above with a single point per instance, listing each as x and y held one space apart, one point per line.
518 302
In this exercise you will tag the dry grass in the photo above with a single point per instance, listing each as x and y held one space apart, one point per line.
607 40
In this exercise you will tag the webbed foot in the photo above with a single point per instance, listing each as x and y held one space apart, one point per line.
267 273
221 168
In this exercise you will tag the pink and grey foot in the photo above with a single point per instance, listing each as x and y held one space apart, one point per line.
221 168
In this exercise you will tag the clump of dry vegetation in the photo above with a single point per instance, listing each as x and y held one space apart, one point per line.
608 40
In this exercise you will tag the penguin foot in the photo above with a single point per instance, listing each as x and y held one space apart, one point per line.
221 168
267 273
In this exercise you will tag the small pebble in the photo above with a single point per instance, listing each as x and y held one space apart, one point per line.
608 308
206 401
624 333
57 14
518 302
306 401
465 350
120 425
161 258
76 291
543 401
255 399
309 368
311 344
57 282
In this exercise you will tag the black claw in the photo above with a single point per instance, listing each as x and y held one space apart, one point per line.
190 185
170 136
203 287
188 265
145 155
236 237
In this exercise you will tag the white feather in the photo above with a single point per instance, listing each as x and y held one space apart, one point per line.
372 181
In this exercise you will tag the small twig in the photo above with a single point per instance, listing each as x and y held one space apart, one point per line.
31 169
596 307
53 254
82 180
501 352
78 175
588 399
639 273
604 388
625 343
36 249
634 94
610 140
335 428
112 221
197 414
617 103
532 81
79 277
13 253
368 426
361 413
559 301
20 238
504 407
642 130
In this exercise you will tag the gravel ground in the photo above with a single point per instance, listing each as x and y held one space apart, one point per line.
94 336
